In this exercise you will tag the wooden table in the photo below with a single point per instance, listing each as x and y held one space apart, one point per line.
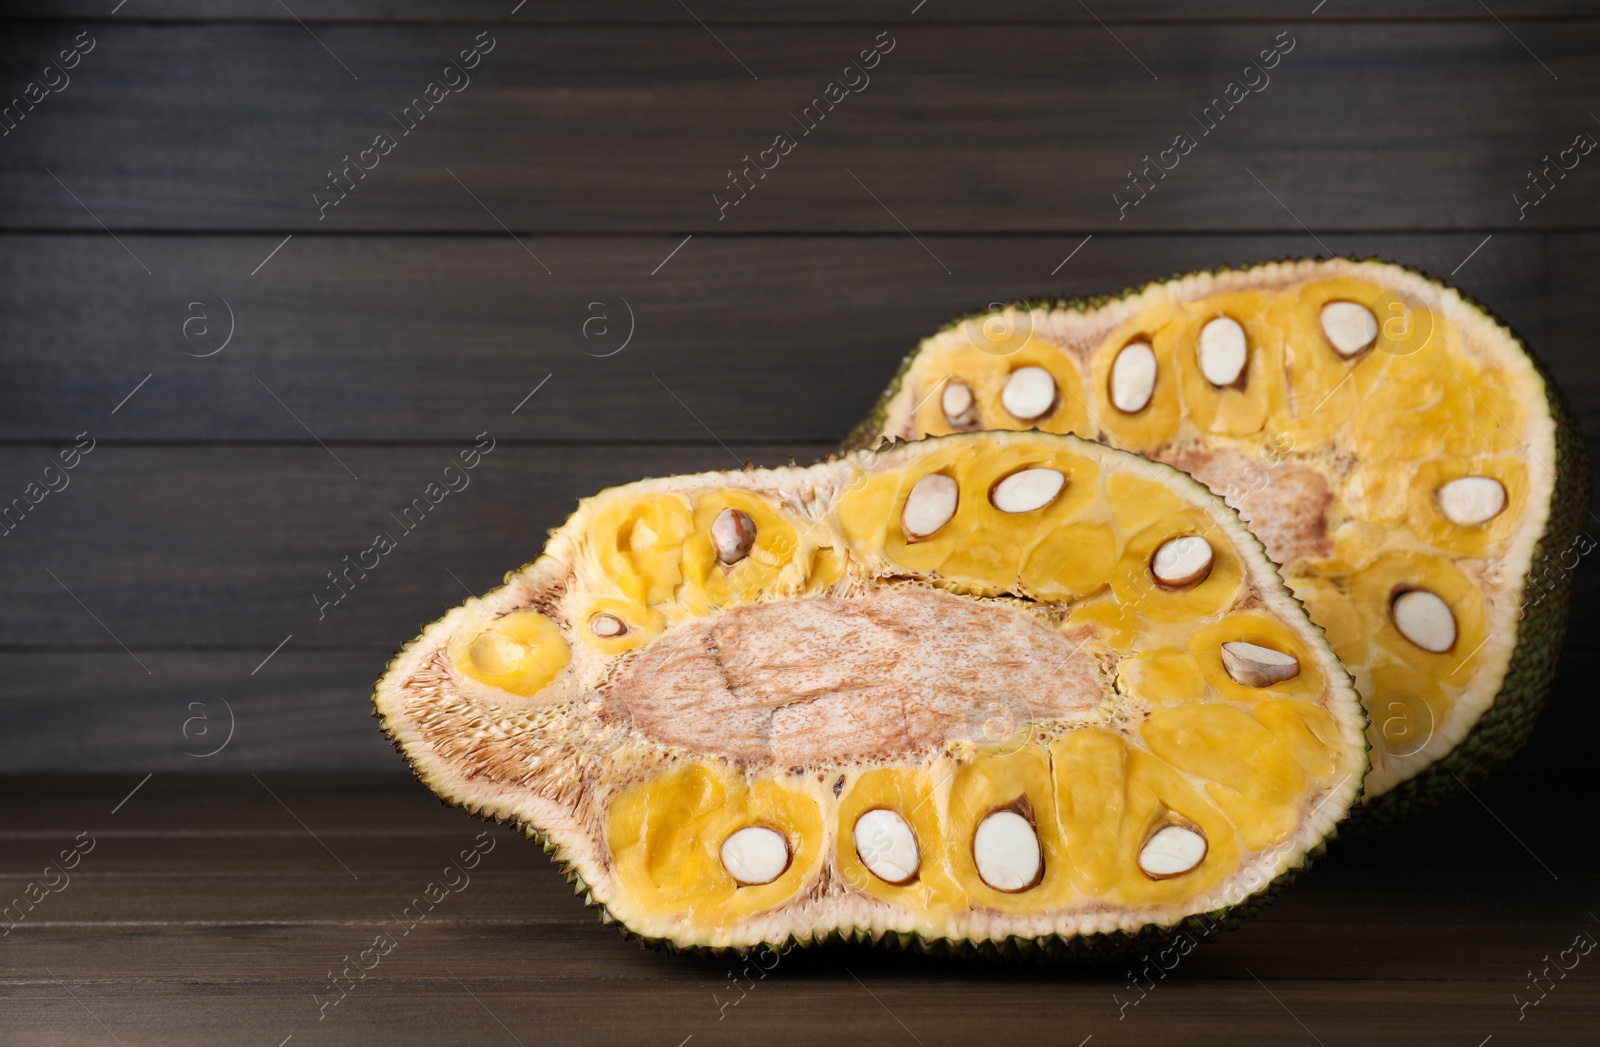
211 909
547 255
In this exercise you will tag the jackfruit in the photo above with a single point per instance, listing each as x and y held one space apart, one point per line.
1397 449
991 692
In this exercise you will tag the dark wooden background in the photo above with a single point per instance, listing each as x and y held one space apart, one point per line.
573 177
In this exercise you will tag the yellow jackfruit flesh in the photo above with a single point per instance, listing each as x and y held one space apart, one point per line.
1397 450
939 692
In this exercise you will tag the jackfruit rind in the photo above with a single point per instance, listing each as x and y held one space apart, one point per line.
1362 445
706 787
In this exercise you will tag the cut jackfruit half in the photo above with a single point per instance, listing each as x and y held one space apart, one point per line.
988 691
1399 451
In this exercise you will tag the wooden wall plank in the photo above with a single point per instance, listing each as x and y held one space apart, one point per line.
196 547
776 332
309 710
730 11
764 338
175 550
962 128
196 711
232 545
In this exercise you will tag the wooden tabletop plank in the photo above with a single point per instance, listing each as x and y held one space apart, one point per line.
580 1010
1421 935
970 128
230 803
1421 954
192 884
266 836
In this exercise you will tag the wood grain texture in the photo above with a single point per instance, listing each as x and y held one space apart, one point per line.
198 547
163 603
800 11
201 527
763 338
196 711
309 709
228 545
206 913
969 128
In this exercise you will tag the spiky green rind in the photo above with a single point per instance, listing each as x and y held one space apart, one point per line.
1504 727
